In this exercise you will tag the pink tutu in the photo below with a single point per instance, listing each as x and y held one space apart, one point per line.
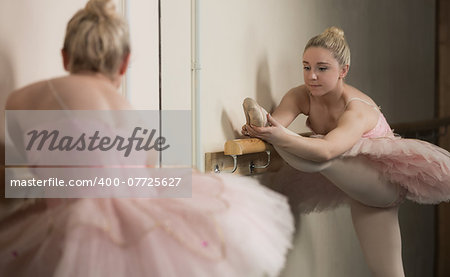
232 226
422 168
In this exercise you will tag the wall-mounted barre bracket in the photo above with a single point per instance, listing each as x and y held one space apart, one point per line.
251 160
217 169
250 149
253 166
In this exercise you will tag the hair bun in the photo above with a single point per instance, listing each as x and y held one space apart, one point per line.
332 39
101 7
334 31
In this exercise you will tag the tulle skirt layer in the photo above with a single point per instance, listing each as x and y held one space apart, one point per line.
422 168
232 226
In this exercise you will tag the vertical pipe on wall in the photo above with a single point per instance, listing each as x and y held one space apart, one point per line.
160 107
159 59
195 86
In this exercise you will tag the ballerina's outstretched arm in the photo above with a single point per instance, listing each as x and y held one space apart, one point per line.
355 176
351 126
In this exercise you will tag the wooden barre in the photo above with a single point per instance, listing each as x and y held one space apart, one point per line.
249 145
245 146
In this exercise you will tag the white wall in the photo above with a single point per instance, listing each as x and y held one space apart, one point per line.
176 54
31 38
142 79
32 34
253 48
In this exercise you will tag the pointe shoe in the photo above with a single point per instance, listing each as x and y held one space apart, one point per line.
254 113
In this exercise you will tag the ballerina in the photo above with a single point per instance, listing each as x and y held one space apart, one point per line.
231 226
354 148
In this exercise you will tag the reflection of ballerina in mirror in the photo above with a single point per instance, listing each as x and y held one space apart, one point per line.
354 148
231 226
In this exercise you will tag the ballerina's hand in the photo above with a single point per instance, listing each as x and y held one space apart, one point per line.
273 133
244 131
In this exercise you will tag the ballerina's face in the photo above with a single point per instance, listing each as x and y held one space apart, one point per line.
321 71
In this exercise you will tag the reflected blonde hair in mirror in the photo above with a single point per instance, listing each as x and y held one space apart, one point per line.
332 39
97 39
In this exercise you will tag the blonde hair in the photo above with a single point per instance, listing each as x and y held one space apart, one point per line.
332 39
97 39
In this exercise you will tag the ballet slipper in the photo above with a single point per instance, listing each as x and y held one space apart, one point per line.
254 113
